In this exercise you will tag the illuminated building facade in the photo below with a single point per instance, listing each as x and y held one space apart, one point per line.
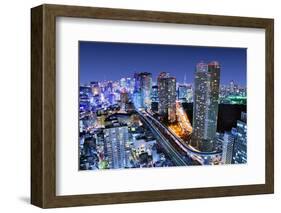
240 145
143 88
116 138
123 83
227 148
85 95
167 96
124 97
205 107
95 88
137 99
182 92
154 94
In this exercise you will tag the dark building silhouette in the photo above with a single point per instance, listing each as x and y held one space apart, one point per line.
228 114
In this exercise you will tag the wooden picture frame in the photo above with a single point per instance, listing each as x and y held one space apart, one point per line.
43 105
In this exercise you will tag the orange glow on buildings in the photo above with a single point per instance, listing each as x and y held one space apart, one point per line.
182 127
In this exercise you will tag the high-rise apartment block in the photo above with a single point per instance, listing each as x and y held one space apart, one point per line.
116 138
205 106
167 95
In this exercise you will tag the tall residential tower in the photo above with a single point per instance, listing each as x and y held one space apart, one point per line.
167 95
116 138
205 106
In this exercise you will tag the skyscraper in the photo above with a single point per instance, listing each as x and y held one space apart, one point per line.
182 92
154 94
240 144
227 148
85 94
124 99
116 138
143 88
146 87
231 87
137 82
205 106
167 96
137 99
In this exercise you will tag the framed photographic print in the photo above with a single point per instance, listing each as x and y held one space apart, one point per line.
135 106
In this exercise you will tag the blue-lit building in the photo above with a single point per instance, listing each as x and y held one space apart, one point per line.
130 83
227 148
154 94
111 98
142 89
116 138
182 92
85 94
240 144
84 103
85 90
107 88
189 95
123 83
137 81
137 100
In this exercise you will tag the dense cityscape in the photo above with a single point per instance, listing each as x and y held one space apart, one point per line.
138 122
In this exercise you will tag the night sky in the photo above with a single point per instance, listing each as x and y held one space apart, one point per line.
112 61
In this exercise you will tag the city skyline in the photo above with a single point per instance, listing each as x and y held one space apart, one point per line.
148 119
99 61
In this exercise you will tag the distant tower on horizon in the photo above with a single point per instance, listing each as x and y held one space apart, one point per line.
184 78
205 106
167 95
231 86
